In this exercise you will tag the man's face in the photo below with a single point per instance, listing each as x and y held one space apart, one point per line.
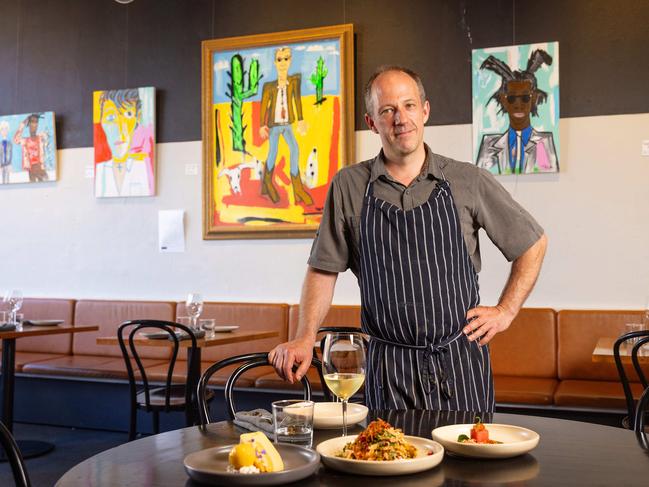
398 114
4 131
119 124
283 61
33 125
518 103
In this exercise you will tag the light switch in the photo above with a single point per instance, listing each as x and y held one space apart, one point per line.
191 169
645 148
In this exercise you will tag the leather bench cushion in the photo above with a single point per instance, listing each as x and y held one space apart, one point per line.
249 317
47 309
524 390
578 332
23 358
528 348
89 366
158 373
595 394
270 380
108 315
338 315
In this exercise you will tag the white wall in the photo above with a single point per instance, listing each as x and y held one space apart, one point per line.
57 240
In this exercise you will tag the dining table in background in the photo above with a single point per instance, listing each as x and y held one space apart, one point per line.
569 453
28 448
194 359
603 352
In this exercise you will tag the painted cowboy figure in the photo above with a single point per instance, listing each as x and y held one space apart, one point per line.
406 223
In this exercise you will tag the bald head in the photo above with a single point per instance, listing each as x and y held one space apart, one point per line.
368 92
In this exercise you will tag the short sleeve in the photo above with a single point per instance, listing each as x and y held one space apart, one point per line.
509 226
330 250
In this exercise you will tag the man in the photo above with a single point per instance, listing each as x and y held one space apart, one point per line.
128 172
406 224
522 148
6 149
281 106
33 148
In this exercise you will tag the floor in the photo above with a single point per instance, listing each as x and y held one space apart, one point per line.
72 447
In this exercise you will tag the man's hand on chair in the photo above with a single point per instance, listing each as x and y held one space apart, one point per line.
295 352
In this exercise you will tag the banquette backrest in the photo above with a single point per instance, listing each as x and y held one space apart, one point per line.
45 309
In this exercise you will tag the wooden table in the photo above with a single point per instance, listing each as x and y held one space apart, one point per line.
569 453
28 448
194 359
603 352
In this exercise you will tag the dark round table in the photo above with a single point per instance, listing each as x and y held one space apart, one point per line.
569 453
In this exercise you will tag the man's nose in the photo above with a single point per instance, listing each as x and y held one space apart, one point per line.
398 116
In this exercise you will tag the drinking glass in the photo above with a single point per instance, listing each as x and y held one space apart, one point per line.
343 363
14 300
208 325
194 305
293 422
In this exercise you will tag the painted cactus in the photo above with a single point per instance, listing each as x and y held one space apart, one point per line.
238 93
317 79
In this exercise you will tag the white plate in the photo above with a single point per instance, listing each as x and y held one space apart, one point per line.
329 415
44 322
224 328
515 440
423 461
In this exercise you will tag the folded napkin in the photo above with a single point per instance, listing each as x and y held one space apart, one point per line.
7 327
255 420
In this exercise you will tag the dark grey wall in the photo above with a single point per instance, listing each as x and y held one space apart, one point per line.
54 53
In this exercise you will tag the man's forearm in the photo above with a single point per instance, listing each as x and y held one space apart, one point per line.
525 271
317 293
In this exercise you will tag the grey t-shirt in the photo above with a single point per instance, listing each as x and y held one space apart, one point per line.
480 200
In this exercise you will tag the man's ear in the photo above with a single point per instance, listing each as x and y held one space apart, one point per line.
370 123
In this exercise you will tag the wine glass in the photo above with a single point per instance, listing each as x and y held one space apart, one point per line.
14 300
194 305
343 363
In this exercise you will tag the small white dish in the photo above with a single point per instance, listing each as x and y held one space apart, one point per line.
515 440
43 322
224 328
329 415
429 455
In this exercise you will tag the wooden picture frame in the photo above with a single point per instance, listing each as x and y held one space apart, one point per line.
277 124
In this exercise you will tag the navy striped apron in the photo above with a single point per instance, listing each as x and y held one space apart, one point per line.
417 283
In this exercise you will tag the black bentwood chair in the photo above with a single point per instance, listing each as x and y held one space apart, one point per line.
157 398
250 361
14 457
642 338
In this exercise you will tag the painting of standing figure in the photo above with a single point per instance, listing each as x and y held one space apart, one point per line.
516 108
27 148
124 140
277 126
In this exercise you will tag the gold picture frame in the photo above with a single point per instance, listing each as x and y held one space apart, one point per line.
277 124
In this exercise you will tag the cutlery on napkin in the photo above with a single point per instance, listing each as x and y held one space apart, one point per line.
255 420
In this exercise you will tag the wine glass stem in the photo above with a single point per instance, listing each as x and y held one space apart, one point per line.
344 417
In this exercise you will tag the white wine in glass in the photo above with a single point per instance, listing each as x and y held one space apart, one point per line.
194 305
343 363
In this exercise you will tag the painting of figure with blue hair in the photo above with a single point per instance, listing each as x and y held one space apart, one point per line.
506 98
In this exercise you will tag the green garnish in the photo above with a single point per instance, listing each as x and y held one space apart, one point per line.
462 438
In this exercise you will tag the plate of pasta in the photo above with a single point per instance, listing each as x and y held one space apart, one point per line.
380 450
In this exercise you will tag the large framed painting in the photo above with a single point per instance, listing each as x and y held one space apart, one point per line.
277 125
124 140
516 108
27 148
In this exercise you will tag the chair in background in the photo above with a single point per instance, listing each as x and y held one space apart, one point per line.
250 361
641 411
639 336
156 398
14 457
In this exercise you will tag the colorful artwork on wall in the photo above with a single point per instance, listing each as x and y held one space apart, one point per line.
124 140
516 108
27 148
277 126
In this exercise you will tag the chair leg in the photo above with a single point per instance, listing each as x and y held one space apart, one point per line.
156 422
132 428
640 416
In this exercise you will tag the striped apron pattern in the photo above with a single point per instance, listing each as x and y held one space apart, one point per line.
417 283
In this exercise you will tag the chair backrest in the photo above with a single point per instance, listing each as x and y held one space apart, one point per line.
129 347
640 419
641 337
250 361
21 478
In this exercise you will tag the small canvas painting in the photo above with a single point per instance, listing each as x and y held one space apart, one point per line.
27 148
124 140
516 108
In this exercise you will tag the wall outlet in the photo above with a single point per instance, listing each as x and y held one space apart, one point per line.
191 169
645 148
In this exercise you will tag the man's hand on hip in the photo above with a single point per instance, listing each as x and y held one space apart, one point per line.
296 352
486 321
